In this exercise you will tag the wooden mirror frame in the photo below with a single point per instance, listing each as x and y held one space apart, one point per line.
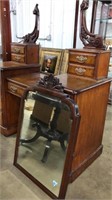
56 93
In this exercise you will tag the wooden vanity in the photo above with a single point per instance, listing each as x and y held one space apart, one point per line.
90 93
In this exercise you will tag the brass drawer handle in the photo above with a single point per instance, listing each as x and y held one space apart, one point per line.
17 58
17 50
81 59
13 89
80 71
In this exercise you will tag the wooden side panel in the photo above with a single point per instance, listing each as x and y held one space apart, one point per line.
32 54
13 107
102 65
92 105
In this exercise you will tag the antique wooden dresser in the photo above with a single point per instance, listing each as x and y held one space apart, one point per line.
89 90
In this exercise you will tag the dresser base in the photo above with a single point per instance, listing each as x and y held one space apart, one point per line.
85 164
8 131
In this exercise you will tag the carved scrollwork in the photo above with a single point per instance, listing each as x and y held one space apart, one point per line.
84 5
33 36
51 82
89 39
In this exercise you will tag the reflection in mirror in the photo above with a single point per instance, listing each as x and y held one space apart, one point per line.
44 139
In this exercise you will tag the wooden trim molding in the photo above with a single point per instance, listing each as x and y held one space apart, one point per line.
5 30
76 23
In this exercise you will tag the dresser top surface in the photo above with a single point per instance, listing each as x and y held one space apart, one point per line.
23 44
71 83
85 50
11 65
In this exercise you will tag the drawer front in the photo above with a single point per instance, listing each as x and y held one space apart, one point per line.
18 49
15 89
82 58
81 71
18 58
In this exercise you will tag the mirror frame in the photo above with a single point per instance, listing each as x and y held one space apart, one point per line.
72 140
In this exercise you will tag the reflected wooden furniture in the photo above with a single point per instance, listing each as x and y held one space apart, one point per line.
25 53
47 117
9 106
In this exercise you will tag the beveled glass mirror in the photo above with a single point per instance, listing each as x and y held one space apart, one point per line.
48 127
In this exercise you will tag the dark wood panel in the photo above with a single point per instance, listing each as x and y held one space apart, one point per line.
5 30
93 105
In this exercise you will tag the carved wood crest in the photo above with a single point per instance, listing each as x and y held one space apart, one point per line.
51 82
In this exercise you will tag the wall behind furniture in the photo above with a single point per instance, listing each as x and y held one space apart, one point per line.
56 21
57 18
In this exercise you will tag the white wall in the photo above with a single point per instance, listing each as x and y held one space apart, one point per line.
56 19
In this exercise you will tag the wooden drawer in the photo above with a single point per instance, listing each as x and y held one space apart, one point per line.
82 58
25 53
81 70
18 49
92 63
15 89
18 58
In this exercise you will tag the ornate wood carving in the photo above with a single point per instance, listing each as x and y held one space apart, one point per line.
51 82
89 39
33 36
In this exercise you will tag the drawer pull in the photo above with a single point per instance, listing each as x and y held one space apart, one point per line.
80 71
13 89
17 50
81 59
17 58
